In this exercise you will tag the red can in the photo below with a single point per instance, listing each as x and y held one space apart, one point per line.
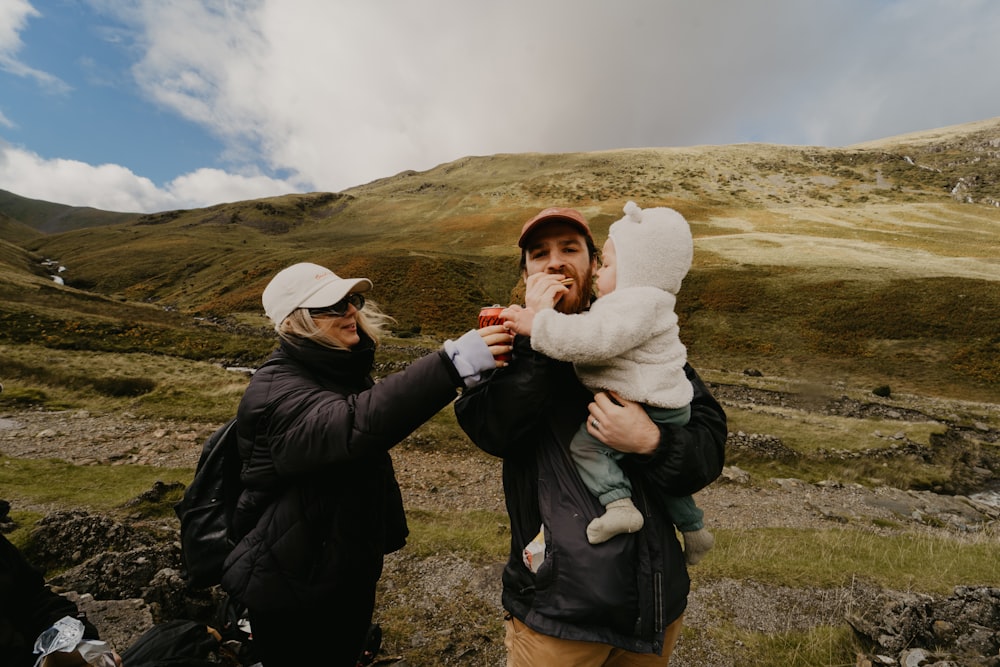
489 316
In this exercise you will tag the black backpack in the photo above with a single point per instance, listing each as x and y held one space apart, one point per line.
209 502
206 510
178 643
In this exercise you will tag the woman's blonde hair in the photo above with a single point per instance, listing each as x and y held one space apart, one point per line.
300 324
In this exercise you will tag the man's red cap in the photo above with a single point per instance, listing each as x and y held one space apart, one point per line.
570 215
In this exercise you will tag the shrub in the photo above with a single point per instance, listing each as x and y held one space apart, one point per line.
23 396
121 387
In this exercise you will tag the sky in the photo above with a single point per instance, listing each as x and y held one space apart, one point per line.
154 105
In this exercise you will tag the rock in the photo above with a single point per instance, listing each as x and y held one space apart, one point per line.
67 538
735 475
925 630
169 597
925 506
120 622
118 575
943 631
760 445
788 482
836 514
913 658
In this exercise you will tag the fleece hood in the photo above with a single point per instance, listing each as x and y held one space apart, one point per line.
653 246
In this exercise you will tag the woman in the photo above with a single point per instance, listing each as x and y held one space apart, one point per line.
322 505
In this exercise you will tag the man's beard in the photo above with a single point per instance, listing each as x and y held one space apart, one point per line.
578 298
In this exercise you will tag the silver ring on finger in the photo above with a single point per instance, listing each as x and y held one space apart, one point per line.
595 423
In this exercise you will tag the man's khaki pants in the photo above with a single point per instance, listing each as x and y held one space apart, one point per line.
527 648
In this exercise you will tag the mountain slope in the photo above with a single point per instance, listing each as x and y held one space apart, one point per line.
874 261
51 217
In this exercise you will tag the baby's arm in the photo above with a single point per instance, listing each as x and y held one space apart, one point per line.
620 321
518 319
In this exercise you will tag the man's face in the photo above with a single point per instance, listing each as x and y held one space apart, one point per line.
557 247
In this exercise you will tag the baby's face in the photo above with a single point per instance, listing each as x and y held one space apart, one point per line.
607 274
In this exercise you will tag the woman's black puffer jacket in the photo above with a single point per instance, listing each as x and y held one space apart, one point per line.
321 505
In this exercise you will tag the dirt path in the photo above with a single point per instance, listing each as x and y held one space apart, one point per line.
453 480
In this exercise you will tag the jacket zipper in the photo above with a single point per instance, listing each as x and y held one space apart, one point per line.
658 625
657 604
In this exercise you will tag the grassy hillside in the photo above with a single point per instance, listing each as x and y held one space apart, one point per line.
12 231
51 217
872 264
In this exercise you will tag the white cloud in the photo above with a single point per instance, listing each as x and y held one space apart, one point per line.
211 186
114 188
341 93
14 15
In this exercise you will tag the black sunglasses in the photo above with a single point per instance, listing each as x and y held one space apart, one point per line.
339 309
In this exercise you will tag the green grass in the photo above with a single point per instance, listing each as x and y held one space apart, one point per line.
808 433
821 646
98 488
831 558
823 445
870 330
899 472
479 536
148 385
25 522
66 330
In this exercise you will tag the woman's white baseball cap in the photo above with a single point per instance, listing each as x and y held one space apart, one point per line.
306 285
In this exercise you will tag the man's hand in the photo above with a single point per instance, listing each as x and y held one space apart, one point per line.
622 424
543 290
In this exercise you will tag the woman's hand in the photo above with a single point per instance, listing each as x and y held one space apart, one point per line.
499 341
622 424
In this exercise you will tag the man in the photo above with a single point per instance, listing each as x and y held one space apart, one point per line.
618 603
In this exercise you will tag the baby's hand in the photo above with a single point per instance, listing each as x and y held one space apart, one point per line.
518 319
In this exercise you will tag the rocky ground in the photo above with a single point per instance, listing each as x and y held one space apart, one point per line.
470 480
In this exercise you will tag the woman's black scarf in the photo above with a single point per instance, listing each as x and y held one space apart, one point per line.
341 366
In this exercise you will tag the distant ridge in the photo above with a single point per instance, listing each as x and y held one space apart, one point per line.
942 134
50 218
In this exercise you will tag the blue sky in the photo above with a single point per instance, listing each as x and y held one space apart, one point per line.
95 111
147 105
